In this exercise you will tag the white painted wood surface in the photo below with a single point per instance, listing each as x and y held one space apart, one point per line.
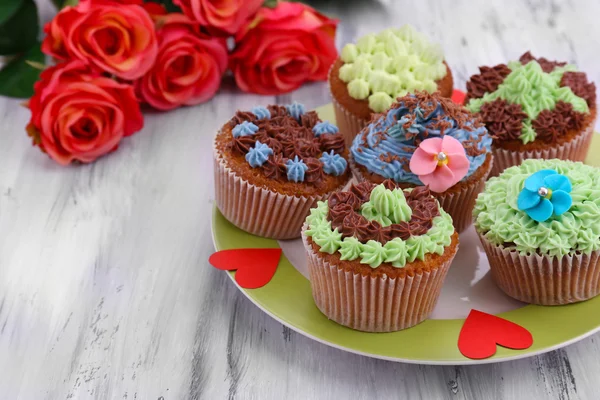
105 290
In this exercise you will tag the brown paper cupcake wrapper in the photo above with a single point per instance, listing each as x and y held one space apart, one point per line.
458 204
544 280
575 150
373 304
257 210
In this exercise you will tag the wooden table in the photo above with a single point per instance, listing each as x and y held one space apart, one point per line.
105 289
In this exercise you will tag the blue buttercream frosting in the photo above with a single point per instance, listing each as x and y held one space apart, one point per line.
333 164
387 144
261 112
296 169
296 110
244 129
258 154
324 127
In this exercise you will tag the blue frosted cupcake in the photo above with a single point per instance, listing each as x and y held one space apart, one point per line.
425 139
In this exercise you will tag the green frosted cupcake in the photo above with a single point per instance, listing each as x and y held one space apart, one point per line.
539 224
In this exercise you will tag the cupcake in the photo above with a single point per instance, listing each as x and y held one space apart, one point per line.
426 139
370 74
272 164
539 224
534 108
378 255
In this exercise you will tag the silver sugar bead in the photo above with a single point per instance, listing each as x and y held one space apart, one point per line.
543 191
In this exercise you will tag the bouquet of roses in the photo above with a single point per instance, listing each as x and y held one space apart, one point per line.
113 56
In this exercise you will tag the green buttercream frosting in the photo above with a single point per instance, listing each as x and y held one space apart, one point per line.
578 230
386 206
396 251
535 90
391 64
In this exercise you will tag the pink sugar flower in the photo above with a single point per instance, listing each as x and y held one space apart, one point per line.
440 162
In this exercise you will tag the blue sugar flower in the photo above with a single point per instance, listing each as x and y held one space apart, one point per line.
258 155
296 110
244 129
324 127
333 164
261 112
296 169
545 194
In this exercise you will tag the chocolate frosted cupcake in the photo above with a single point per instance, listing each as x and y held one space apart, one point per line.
273 164
378 255
426 139
539 224
534 108
370 74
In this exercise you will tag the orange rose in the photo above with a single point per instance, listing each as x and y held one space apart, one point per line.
78 114
117 38
220 17
188 68
283 47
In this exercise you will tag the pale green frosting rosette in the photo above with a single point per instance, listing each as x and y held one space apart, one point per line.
499 219
391 64
390 207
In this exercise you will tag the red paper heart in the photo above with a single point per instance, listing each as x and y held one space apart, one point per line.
481 333
458 96
255 267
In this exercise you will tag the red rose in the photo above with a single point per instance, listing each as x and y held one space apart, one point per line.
78 114
188 68
220 17
117 38
283 47
88 3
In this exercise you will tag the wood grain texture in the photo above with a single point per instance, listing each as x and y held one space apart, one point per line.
105 290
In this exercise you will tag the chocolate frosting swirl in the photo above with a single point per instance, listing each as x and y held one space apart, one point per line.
547 65
550 125
241 145
288 138
274 167
487 81
241 116
331 142
345 198
309 119
314 173
344 214
503 120
579 84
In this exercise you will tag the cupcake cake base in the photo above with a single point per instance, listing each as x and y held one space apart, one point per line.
544 280
372 300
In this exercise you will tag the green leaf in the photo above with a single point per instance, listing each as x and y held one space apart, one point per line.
169 6
8 8
19 33
17 77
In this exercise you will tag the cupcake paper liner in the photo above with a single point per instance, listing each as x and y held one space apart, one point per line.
349 124
257 210
369 303
575 150
542 279
458 204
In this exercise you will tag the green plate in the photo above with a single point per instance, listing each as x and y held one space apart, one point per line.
288 299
